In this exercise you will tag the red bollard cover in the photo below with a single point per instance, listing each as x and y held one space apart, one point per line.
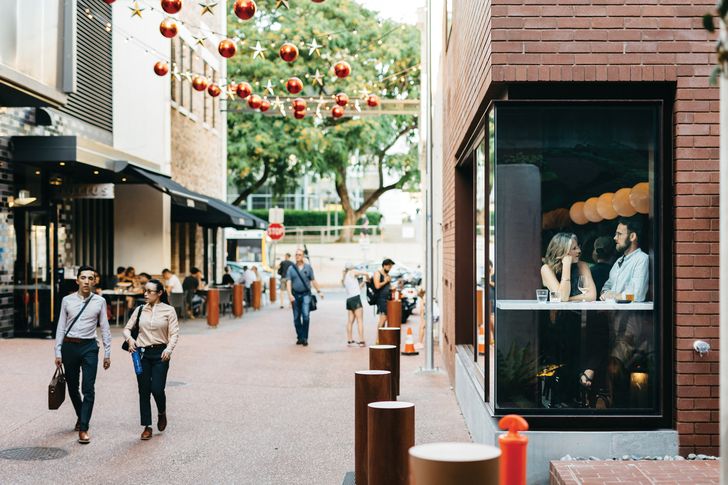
513 450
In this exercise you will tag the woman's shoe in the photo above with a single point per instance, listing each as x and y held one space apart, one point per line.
147 433
362 344
350 343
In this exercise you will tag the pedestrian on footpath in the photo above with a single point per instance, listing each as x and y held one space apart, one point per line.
158 335
354 308
300 278
77 348
382 283
283 273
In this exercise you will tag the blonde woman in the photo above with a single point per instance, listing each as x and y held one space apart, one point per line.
354 309
563 272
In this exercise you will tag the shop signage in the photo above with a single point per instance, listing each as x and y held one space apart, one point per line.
276 231
89 191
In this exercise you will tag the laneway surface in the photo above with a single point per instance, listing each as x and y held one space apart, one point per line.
245 406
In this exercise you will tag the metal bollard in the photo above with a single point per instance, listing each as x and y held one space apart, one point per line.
454 464
394 313
213 307
369 386
238 291
383 357
390 435
513 450
392 336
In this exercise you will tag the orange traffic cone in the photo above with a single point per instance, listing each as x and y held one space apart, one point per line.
481 340
409 344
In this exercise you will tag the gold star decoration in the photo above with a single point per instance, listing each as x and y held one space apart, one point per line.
357 107
136 10
229 93
258 50
200 40
314 46
277 104
269 88
207 7
188 76
175 72
364 93
282 2
318 78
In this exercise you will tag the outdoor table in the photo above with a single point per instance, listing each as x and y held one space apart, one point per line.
119 299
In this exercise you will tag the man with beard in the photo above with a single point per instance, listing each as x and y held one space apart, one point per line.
630 274
382 283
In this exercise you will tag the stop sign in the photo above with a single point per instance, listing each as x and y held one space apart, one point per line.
276 231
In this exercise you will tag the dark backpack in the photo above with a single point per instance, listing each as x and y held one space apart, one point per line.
372 291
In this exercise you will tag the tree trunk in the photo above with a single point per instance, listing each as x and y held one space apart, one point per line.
245 193
350 217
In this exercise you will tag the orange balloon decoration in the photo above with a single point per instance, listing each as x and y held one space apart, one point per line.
590 210
640 197
621 203
576 212
605 207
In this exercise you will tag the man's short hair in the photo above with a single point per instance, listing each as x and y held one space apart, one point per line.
194 270
120 269
146 275
387 262
85 267
288 255
633 225
166 270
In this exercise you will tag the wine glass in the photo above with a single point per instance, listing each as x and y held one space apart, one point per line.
581 284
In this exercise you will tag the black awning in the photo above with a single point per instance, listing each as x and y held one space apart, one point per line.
181 196
232 216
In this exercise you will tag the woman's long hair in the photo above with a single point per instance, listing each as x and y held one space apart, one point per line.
160 291
558 247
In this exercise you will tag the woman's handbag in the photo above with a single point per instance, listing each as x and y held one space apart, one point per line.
134 330
57 389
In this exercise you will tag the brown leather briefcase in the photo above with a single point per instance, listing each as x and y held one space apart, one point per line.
57 389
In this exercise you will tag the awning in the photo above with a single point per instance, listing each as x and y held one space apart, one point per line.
234 216
180 195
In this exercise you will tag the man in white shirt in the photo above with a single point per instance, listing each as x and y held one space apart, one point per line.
249 278
77 348
171 282
630 274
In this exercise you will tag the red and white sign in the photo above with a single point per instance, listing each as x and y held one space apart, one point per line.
276 231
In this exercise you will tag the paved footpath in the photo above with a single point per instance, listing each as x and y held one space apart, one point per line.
245 406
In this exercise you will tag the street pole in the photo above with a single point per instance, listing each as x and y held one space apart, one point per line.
723 236
429 242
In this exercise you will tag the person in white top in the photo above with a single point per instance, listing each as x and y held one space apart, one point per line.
354 307
248 279
171 282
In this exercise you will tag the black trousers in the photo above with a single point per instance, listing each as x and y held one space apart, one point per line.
77 358
152 382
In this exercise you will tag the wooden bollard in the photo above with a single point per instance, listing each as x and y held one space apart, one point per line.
480 315
238 291
394 313
213 307
272 289
257 294
383 357
392 336
390 435
454 464
369 386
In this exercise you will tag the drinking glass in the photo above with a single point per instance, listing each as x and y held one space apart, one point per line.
542 296
556 297
581 284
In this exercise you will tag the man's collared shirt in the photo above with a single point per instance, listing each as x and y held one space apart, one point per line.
85 326
174 283
299 285
630 274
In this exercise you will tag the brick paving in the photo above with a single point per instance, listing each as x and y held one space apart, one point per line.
251 407
642 472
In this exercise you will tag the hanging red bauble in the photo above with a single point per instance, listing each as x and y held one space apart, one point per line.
342 99
342 69
109 1
288 52
264 106
243 90
337 111
168 28
255 101
199 83
299 115
161 68
171 6
373 100
299 104
317 1
294 85
226 48
214 90
245 9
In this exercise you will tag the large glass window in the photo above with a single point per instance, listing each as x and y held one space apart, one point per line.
577 329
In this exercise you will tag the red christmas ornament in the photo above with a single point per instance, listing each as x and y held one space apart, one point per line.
171 6
288 52
264 106
342 69
109 1
317 1
299 115
337 111
243 90
245 9
214 90
294 85
299 104
226 48
342 99
199 83
161 68
373 100
255 101
168 28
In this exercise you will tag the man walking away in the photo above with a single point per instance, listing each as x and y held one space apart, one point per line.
300 278
283 273
248 280
382 283
77 348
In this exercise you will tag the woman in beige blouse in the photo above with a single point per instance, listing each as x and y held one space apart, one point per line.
158 334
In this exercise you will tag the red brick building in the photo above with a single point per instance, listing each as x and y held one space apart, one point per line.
584 98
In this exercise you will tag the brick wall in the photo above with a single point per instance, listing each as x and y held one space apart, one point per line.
500 42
